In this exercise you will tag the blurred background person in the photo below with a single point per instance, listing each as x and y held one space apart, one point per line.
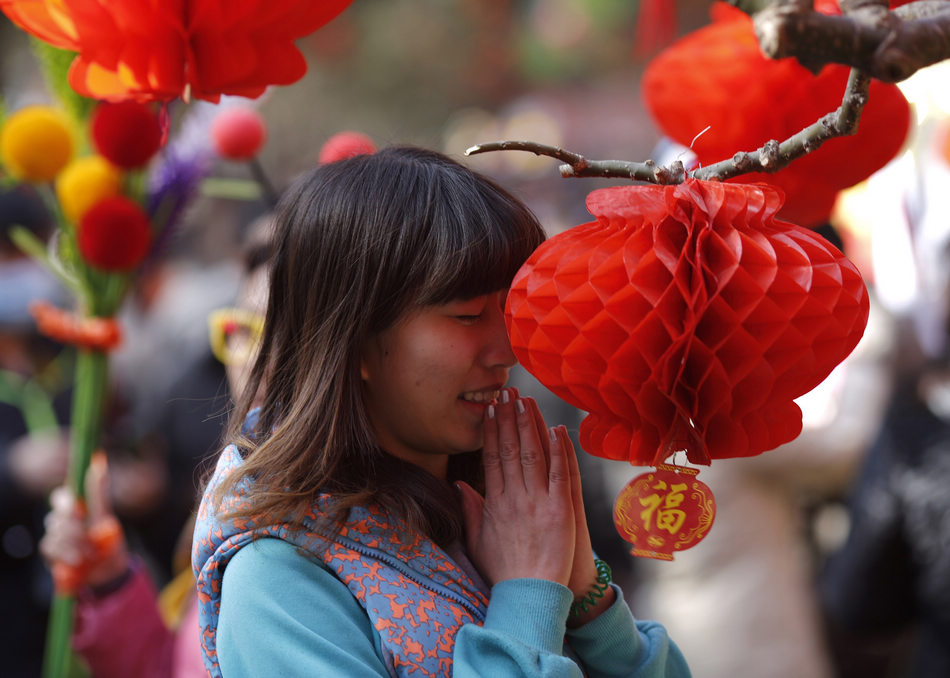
123 626
886 591
35 377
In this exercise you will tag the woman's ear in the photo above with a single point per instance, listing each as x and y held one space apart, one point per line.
364 354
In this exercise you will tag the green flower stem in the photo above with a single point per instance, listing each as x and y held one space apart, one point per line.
92 371
57 661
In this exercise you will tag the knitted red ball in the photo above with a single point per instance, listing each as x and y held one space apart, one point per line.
344 145
238 133
114 235
127 133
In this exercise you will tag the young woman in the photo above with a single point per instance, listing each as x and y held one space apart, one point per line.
390 508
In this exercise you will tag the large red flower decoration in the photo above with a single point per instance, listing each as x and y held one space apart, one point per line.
718 77
685 318
151 50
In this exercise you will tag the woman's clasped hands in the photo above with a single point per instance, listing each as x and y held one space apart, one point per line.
531 521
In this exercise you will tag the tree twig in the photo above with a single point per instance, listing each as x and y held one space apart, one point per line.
888 45
576 165
771 157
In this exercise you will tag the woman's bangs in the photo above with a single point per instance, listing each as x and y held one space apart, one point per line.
484 257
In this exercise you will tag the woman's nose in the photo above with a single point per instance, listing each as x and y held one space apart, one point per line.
498 352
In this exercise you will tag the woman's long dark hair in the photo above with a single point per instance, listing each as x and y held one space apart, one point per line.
357 244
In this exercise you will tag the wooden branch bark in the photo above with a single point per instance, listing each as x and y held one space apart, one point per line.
888 45
771 157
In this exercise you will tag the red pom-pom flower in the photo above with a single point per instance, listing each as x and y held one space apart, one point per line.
717 77
127 133
238 133
685 318
343 145
114 235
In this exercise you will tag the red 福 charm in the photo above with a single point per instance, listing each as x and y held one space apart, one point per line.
663 511
685 318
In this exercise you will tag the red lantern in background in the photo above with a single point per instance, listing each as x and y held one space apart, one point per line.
162 50
685 318
718 77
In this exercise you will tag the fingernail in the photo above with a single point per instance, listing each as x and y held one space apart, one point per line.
491 412
504 395
519 403
552 434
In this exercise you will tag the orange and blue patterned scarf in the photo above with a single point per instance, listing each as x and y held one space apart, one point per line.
415 595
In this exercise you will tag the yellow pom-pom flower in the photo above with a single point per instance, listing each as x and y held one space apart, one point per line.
85 182
36 142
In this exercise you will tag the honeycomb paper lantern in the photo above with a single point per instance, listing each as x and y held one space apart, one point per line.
717 77
148 50
685 318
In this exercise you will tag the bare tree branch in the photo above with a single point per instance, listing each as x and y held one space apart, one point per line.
889 45
577 165
877 42
771 157
774 156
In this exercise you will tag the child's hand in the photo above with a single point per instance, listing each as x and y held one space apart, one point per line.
84 544
525 526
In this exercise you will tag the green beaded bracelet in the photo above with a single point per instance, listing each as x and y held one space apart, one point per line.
601 584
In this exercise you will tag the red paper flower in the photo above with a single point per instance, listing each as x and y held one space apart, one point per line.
161 50
685 318
344 145
126 133
238 133
718 77
114 235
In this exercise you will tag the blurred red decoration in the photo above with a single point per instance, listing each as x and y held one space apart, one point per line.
344 145
656 26
238 133
126 133
663 511
718 77
162 50
685 318
114 235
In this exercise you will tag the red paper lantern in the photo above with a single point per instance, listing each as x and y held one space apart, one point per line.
126 133
114 235
685 318
718 77
161 50
663 511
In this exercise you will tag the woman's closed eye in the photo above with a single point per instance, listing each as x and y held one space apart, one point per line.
468 319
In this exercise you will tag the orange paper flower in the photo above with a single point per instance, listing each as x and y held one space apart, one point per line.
718 77
150 50
685 318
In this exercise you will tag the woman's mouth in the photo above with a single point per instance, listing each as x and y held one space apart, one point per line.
481 397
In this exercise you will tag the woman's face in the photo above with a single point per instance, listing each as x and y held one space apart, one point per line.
428 379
